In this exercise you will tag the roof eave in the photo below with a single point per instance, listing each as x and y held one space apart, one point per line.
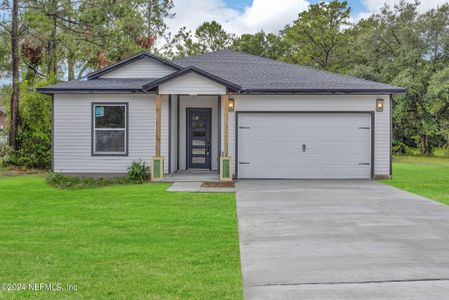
51 91
325 91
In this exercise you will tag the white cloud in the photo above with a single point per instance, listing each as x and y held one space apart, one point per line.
270 15
267 15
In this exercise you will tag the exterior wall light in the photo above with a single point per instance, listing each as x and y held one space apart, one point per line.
380 105
231 105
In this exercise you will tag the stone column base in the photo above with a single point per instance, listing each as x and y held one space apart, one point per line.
157 168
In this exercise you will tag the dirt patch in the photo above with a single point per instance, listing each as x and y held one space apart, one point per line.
18 171
213 184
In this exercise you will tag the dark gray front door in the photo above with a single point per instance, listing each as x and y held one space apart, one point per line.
199 138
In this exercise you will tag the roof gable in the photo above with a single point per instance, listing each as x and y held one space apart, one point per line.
142 65
197 77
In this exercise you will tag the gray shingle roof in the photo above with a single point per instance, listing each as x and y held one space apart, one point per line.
254 73
100 84
249 73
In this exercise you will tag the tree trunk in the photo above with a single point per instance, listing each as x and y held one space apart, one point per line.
426 149
14 114
52 67
70 67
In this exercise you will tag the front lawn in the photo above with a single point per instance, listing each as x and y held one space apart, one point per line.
119 242
425 176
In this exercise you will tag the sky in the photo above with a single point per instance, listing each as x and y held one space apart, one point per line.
250 16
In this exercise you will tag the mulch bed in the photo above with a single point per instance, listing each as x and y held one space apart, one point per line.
213 184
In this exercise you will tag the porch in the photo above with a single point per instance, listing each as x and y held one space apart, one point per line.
193 132
198 135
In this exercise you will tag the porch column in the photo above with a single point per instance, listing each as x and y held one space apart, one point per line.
157 162
225 160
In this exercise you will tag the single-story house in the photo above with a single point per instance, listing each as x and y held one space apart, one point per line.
239 115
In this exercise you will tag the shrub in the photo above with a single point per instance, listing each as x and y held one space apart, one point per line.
34 132
62 181
5 152
138 172
400 149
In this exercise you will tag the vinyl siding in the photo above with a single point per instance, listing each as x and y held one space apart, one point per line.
198 102
192 84
73 128
321 103
142 68
174 133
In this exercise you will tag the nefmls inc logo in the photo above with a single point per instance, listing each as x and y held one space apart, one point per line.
57 287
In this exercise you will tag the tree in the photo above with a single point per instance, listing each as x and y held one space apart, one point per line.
14 111
154 14
182 45
212 37
317 37
209 37
438 95
262 44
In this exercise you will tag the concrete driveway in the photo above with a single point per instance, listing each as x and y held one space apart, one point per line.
341 240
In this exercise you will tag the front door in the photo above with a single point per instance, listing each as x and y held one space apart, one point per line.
199 138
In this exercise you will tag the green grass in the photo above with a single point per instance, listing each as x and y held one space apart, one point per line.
119 242
425 176
436 152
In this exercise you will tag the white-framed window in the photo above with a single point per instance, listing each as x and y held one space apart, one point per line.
109 129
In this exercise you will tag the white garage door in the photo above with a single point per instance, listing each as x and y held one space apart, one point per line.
300 145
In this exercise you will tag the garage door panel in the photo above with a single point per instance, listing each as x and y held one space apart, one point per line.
336 146
312 172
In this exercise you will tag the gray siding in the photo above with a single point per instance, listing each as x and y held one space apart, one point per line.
192 84
174 134
72 133
142 68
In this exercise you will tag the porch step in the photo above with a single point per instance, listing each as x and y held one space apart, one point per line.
192 176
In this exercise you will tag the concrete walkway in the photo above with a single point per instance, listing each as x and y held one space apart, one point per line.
192 186
341 240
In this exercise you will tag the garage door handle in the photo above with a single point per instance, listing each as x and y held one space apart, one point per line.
243 163
364 127
304 148
243 127
364 164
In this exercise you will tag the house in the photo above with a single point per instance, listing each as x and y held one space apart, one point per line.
242 115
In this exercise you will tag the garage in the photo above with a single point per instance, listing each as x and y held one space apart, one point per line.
309 145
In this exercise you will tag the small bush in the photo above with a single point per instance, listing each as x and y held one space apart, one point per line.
138 172
5 152
400 149
62 181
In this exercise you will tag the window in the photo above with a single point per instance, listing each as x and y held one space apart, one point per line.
110 129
